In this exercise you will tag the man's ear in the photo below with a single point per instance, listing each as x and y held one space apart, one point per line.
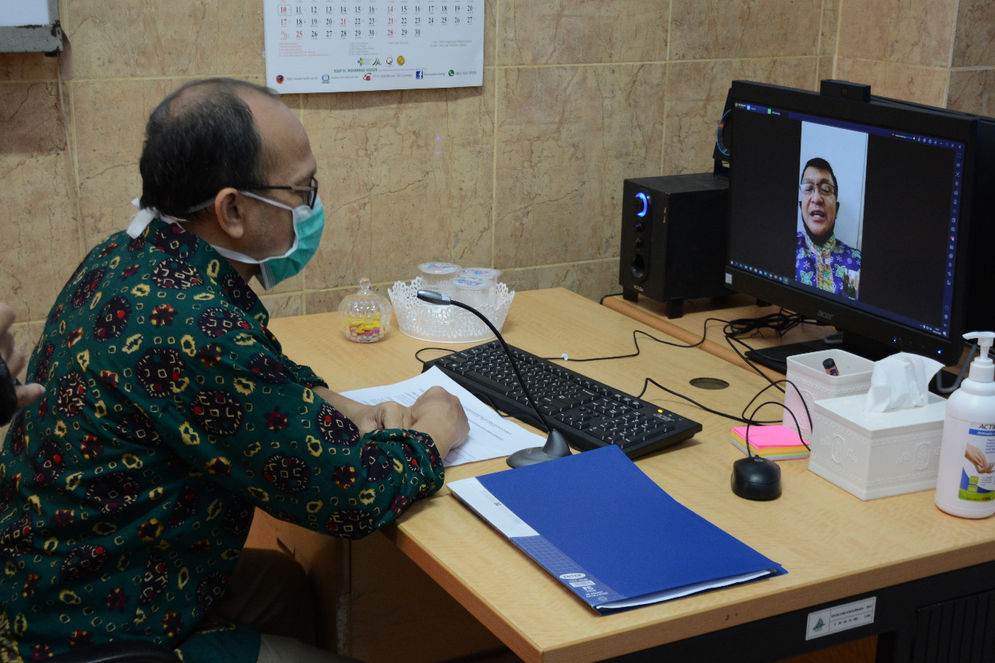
229 212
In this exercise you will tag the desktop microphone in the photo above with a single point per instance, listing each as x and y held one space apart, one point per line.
556 444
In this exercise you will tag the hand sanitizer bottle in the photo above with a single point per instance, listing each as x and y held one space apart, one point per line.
965 482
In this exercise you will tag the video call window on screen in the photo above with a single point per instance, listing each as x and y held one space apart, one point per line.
859 214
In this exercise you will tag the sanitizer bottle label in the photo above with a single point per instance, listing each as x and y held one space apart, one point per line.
977 480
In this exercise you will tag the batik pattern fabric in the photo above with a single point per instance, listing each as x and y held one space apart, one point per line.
833 267
170 412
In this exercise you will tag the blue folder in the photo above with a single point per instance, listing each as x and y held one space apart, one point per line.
608 533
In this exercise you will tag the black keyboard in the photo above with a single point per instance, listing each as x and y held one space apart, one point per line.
589 413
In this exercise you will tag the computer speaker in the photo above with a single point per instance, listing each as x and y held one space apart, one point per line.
674 238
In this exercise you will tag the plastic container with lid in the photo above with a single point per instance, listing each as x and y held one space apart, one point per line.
438 276
483 273
366 315
475 292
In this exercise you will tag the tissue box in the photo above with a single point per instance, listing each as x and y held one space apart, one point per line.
876 454
806 372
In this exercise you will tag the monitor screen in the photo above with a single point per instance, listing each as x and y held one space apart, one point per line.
854 212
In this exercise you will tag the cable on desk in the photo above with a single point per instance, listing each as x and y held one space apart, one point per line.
743 417
780 322
731 329
635 342
648 381
798 429
420 350
611 294
774 384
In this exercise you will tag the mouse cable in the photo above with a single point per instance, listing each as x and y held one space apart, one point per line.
753 414
775 384
740 418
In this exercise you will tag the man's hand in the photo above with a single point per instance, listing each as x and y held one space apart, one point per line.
436 413
440 414
382 415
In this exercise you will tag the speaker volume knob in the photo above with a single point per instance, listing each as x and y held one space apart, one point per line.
642 204
639 227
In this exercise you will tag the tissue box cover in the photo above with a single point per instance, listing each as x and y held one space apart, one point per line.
876 454
810 380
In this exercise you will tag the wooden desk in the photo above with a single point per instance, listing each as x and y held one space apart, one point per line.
833 545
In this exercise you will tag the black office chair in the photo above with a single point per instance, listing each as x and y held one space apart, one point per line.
119 651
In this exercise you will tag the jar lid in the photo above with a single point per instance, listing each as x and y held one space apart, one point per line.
483 273
364 300
467 283
438 268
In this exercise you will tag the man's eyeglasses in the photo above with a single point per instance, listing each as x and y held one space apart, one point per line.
826 189
311 188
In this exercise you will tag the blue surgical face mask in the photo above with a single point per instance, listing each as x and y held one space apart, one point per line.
309 222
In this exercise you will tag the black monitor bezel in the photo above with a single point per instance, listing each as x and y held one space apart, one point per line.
885 113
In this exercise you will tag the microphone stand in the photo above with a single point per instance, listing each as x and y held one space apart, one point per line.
556 444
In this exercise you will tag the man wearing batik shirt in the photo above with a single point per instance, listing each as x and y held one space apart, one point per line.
821 259
170 411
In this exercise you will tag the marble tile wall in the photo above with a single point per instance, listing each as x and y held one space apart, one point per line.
523 174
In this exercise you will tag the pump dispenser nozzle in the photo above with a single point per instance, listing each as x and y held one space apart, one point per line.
982 368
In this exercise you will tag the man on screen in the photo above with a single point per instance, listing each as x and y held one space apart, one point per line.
822 260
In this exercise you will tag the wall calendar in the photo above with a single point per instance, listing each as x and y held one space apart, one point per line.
356 45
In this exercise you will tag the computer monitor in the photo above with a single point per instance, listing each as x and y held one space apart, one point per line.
872 215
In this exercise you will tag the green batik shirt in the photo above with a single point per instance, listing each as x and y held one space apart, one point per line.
169 413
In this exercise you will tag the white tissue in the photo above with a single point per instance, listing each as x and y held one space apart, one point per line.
899 382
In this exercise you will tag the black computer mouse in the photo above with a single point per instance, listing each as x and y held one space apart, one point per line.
756 478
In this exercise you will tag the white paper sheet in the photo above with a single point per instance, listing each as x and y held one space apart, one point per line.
491 435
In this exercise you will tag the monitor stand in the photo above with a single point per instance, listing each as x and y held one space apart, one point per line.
776 357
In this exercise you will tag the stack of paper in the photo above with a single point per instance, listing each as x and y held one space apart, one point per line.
491 435
774 442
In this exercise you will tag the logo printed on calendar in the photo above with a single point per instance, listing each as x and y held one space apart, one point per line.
331 45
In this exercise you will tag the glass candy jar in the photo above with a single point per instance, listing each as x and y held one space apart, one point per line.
366 315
